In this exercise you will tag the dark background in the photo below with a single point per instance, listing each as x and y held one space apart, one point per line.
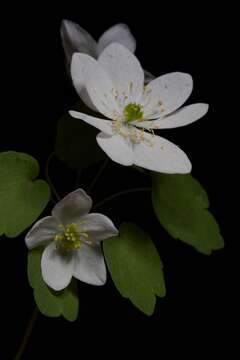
194 315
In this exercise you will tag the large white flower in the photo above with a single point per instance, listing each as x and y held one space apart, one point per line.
73 242
115 85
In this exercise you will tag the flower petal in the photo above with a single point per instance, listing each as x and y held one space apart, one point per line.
158 154
119 33
76 39
71 208
80 65
101 124
117 148
98 227
125 72
89 265
184 116
166 93
98 84
42 231
57 267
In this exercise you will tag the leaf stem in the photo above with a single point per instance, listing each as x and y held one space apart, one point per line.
54 191
120 193
27 334
99 173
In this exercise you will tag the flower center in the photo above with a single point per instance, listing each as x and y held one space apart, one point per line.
132 112
69 238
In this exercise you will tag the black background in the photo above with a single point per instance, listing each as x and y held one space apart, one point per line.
193 317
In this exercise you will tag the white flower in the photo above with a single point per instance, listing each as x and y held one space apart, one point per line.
72 238
76 39
115 85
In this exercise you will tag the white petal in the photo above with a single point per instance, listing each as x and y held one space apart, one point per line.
97 83
71 208
117 148
57 267
125 71
42 231
101 124
89 265
166 93
98 227
158 154
76 39
80 66
119 33
184 116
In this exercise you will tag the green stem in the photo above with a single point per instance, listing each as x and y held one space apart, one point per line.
27 334
48 177
99 173
120 193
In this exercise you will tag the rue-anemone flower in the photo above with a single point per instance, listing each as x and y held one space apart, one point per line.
132 110
76 39
72 239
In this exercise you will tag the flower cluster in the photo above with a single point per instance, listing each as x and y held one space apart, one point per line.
110 80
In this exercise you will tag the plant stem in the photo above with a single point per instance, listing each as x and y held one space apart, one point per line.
120 193
27 334
99 173
48 178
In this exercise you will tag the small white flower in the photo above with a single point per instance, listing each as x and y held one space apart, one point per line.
72 238
77 39
115 86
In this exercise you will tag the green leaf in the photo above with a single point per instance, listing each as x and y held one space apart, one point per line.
46 301
69 301
180 204
76 143
51 303
22 198
34 268
135 267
